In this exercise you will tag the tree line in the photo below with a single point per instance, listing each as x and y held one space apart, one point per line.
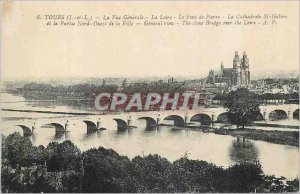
62 167
90 89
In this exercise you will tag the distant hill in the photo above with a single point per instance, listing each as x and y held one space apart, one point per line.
275 74
284 74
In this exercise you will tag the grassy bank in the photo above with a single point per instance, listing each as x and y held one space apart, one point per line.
279 137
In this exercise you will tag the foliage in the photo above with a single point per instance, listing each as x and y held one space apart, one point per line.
196 176
90 90
103 170
242 106
64 156
19 151
153 173
244 178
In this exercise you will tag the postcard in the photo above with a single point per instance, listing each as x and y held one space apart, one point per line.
149 96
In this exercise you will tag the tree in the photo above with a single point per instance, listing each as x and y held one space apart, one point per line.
18 150
104 171
243 178
63 156
194 176
153 173
242 107
63 164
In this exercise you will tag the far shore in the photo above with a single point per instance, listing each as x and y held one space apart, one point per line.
290 138
278 137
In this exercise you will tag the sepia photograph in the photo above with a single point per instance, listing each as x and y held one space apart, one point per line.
149 96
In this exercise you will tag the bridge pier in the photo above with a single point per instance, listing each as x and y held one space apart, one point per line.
290 114
265 115
129 121
157 121
98 123
213 118
187 119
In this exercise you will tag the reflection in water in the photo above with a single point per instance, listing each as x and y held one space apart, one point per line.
89 136
59 135
243 151
176 130
151 128
99 134
121 134
33 138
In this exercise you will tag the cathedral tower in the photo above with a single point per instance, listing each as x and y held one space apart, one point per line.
241 72
245 70
235 72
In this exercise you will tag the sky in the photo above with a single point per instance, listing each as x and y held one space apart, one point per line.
29 48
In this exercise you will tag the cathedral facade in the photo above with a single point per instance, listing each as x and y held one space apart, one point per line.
238 75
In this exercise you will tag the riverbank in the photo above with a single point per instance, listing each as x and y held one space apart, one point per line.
279 137
275 125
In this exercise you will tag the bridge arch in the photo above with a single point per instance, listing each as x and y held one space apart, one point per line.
121 124
150 122
90 126
26 130
259 117
204 119
278 114
178 120
58 127
223 118
296 114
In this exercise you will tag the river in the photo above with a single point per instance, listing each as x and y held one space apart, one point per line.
278 160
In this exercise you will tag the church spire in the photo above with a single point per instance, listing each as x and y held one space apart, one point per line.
245 60
236 60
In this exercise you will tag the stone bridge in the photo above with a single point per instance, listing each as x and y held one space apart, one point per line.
180 118
205 115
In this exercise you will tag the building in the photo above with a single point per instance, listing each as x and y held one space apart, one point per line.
238 75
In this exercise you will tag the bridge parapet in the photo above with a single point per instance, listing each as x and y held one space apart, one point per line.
156 117
289 109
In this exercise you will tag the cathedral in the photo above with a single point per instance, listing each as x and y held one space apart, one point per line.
238 75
